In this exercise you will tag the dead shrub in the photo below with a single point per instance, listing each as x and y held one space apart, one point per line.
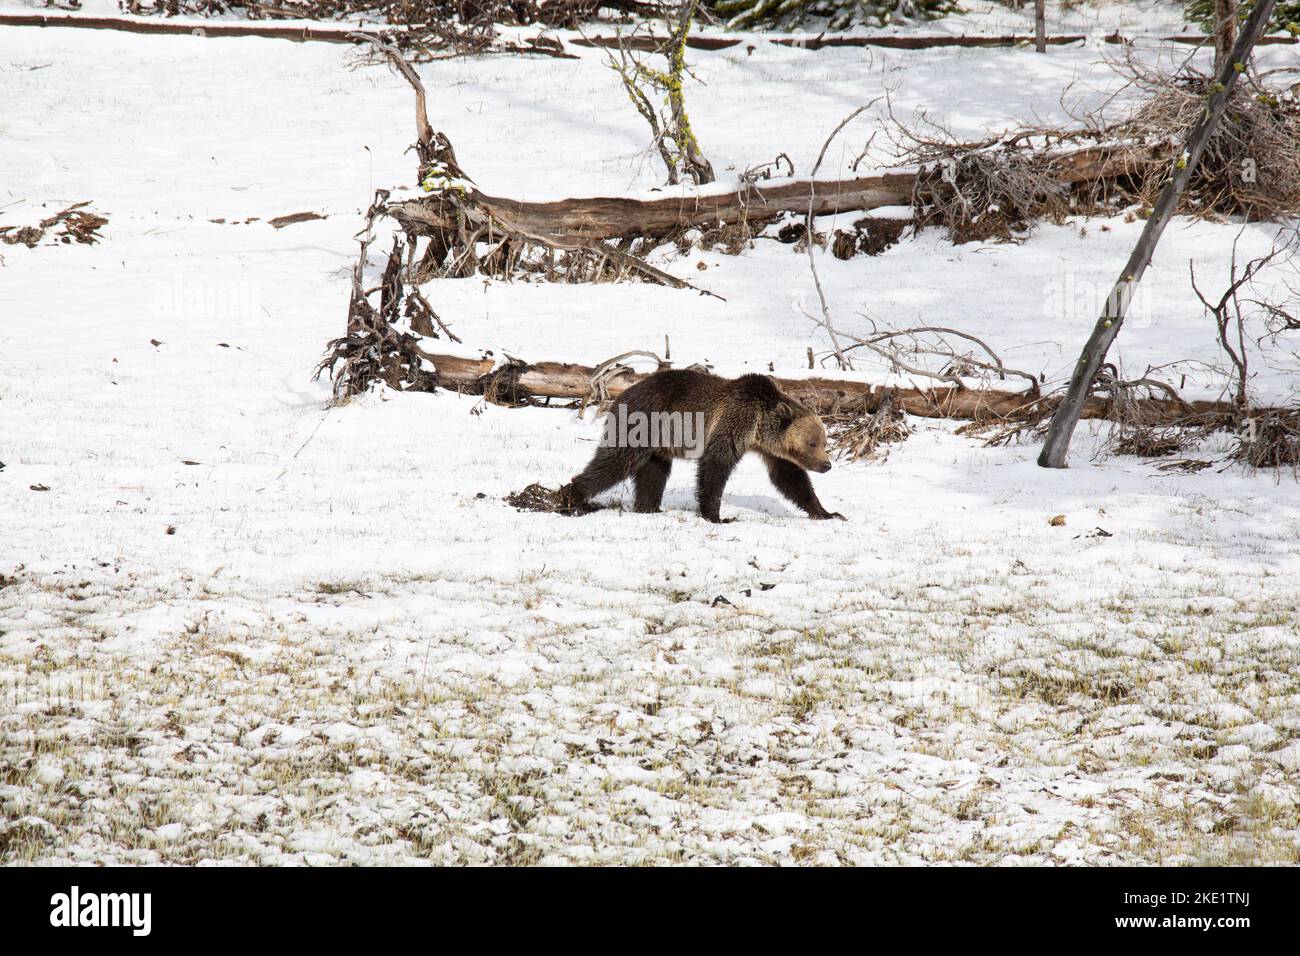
1269 439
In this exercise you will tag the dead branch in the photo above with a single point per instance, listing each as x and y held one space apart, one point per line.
373 349
957 365
840 357
1230 319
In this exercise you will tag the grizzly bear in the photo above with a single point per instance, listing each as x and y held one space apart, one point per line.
684 413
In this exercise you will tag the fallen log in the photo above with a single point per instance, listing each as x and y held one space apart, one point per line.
515 382
209 28
572 223
922 42
984 42
648 44
1196 39
653 44
645 44
577 222
164 27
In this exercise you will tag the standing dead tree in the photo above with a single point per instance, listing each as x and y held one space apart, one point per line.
672 134
1060 431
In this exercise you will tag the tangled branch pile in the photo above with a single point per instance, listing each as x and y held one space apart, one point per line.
1270 440
998 187
828 14
551 13
382 343
1251 166
861 435
76 224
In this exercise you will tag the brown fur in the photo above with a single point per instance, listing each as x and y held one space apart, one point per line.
747 414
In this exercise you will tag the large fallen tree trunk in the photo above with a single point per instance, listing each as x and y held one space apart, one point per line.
325 33
328 32
515 382
577 222
650 43
302 34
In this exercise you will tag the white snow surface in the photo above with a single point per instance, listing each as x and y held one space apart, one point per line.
244 627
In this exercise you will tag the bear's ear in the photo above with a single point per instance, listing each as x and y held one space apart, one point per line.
785 413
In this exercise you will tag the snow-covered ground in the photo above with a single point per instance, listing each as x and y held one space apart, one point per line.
241 626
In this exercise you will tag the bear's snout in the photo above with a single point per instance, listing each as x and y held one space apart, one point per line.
824 467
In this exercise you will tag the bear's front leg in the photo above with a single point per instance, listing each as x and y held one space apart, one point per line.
793 482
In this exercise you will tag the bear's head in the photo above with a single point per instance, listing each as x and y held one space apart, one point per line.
802 438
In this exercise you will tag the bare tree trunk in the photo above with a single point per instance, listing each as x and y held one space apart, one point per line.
1067 414
1225 30
1040 25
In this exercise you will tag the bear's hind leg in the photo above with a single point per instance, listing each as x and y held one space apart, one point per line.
650 481
716 465
610 465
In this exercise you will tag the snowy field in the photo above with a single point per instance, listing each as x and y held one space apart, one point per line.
243 627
